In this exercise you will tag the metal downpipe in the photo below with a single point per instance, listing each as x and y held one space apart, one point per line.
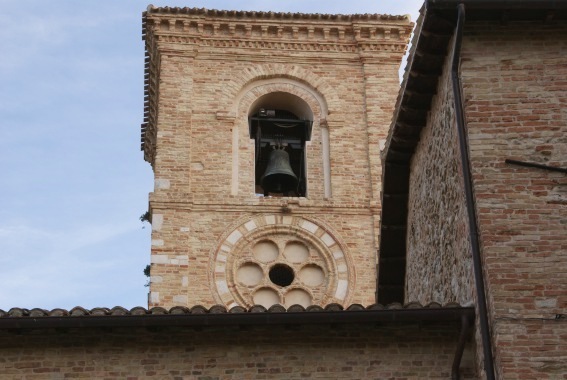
466 325
470 202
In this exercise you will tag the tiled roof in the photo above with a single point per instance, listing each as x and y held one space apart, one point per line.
19 318
273 15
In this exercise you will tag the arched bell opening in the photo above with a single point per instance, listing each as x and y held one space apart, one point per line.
280 124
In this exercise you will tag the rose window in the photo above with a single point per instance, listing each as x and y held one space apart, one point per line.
281 270
284 260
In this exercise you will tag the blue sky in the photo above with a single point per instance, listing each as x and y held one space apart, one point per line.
74 182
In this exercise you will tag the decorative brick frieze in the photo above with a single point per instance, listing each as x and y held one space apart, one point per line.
376 28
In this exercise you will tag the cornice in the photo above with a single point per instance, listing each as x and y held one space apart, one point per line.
326 34
273 15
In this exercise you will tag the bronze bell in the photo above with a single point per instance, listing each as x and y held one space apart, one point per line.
279 176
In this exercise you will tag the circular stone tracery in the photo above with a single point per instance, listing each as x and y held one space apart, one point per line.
276 259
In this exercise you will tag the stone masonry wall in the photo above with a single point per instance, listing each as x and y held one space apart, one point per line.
515 91
404 351
212 70
439 264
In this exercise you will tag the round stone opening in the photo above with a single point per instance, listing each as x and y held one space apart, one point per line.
249 274
266 297
265 251
311 275
297 297
296 252
281 275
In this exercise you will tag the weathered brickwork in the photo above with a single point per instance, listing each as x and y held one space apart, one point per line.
214 70
439 264
515 91
405 351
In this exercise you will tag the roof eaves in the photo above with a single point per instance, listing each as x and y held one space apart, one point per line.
504 10
199 316
498 4
419 86
414 43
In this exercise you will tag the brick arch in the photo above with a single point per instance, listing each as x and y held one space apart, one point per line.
242 83
317 104
257 89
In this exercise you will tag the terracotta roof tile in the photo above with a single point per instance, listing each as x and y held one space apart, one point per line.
257 309
16 312
334 307
313 308
355 307
198 309
237 310
217 309
394 306
277 309
78 311
295 309
119 310
38 313
218 315
58 313
433 305
157 310
179 310
413 305
100 311
142 311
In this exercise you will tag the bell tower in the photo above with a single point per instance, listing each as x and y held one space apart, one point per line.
264 133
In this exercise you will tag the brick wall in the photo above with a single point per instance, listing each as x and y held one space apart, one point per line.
515 91
404 351
212 70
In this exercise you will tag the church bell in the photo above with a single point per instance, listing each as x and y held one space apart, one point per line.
279 176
